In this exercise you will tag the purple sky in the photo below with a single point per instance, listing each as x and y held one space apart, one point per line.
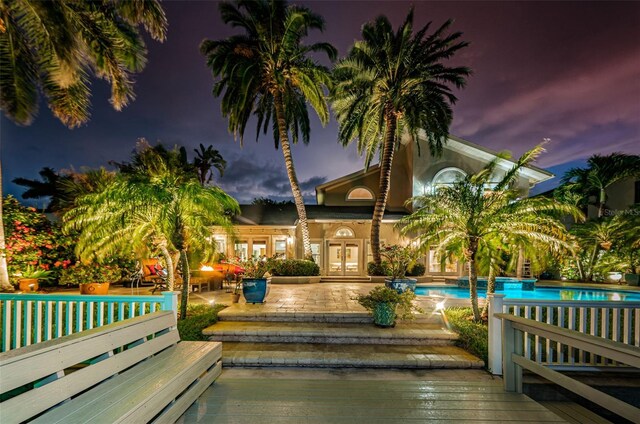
560 70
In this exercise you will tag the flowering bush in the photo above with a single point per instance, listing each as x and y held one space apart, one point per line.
254 267
90 273
32 240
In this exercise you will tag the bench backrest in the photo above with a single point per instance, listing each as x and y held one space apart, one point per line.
47 373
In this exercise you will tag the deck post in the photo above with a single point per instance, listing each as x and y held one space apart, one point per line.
495 333
170 302
512 345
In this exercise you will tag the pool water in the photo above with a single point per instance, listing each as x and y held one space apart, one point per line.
538 293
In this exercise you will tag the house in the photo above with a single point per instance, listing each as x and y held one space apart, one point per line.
340 222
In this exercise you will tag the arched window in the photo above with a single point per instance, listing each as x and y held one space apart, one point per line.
447 176
360 193
344 232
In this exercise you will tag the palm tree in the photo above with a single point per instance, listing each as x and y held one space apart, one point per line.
205 161
47 187
155 202
267 71
467 217
395 83
54 47
601 173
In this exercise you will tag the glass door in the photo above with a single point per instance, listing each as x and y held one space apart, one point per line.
343 257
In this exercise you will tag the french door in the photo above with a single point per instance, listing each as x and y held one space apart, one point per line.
344 257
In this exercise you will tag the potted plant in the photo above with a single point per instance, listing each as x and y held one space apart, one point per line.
386 304
399 259
255 284
93 278
28 279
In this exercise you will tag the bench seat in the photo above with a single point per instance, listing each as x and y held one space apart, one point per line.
134 371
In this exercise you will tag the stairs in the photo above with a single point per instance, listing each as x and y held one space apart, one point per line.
253 337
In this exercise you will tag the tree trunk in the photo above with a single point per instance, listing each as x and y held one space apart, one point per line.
169 263
520 263
385 183
184 267
491 287
5 284
470 255
601 202
592 261
291 173
576 257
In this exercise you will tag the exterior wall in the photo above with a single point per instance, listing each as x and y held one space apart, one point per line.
252 234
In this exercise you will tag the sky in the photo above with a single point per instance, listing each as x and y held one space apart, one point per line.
567 71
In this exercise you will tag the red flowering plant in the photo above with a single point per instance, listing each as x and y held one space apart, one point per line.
33 242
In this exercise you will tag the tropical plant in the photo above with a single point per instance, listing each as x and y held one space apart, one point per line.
153 202
36 273
401 303
86 273
206 160
465 218
393 84
253 267
54 47
399 260
48 187
601 172
268 71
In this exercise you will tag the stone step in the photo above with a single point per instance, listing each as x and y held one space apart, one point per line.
326 355
329 333
260 313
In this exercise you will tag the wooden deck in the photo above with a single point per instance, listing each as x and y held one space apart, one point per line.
276 401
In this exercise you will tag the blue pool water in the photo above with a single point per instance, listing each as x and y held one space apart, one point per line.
538 293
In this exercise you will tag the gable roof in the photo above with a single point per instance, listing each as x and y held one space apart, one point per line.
459 145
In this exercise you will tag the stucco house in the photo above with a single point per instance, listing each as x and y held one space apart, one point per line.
340 222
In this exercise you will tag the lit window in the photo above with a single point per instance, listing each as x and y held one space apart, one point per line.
344 232
242 250
447 177
315 252
259 249
280 247
360 193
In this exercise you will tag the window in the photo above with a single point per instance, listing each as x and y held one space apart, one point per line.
259 248
241 250
344 232
280 247
360 193
315 252
447 176
221 245
436 267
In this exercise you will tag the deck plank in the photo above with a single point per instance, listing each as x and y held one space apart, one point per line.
248 400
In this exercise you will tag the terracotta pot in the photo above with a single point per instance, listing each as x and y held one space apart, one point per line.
94 288
28 284
235 297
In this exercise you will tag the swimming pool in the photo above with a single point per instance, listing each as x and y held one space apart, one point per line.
538 293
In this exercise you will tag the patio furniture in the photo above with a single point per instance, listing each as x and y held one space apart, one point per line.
162 376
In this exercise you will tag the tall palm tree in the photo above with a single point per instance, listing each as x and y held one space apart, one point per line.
53 46
268 71
206 160
392 83
155 202
46 187
468 217
601 172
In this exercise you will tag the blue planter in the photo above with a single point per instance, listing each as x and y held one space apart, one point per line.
255 290
384 314
401 285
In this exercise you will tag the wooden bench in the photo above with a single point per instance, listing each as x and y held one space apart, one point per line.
132 371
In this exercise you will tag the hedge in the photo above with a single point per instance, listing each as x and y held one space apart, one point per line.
295 268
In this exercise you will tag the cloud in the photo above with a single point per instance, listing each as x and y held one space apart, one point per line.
247 178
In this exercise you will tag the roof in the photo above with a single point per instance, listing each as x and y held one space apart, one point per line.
461 145
287 215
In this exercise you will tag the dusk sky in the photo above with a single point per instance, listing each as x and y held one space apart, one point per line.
560 70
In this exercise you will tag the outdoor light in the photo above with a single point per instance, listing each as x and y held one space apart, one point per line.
212 303
206 268
440 305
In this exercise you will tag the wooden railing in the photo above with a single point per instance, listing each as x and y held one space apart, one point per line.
516 329
616 321
32 318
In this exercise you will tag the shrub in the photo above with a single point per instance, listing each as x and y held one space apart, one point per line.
198 318
417 270
294 268
381 270
474 336
90 273
380 294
